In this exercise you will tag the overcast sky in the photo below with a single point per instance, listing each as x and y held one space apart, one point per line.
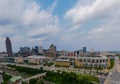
69 24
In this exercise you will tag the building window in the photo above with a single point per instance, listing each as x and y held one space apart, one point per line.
80 60
83 60
93 61
103 61
88 60
96 61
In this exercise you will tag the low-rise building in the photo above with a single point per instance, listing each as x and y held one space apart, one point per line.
34 59
16 80
19 60
3 54
99 61
37 59
62 62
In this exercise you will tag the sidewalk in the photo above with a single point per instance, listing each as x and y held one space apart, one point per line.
118 67
107 81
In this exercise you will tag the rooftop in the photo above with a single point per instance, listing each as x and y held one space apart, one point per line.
36 57
65 60
85 57
15 78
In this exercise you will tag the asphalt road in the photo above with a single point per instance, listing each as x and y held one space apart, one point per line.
114 75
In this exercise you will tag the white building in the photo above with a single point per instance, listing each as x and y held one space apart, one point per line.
87 61
37 59
40 50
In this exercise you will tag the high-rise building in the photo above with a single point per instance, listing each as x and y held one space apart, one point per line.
51 52
24 50
84 49
52 48
8 46
40 50
36 50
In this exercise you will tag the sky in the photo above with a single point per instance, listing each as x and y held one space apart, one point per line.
68 24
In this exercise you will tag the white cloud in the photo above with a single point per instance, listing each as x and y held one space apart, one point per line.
75 27
27 22
6 29
107 35
43 21
104 14
11 9
111 27
98 9
47 29
35 16
26 19
40 39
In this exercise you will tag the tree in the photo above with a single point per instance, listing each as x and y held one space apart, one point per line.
33 81
69 78
40 81
24 83
6 78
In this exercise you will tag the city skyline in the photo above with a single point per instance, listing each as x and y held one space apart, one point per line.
69 25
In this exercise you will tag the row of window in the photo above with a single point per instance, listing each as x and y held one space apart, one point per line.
89 60
89 64
93 61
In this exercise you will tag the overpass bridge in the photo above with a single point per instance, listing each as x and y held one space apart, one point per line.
36 76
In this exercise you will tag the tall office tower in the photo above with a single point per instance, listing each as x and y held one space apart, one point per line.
36 50
24 50
8 46
84 49
52 48
77 53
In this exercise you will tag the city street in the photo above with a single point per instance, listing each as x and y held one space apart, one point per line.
114 75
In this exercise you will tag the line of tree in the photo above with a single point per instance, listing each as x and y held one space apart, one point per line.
35 81
112 62
6 78
48 64
26 70
70 78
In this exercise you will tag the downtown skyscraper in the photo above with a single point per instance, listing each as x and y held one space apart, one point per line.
8 46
